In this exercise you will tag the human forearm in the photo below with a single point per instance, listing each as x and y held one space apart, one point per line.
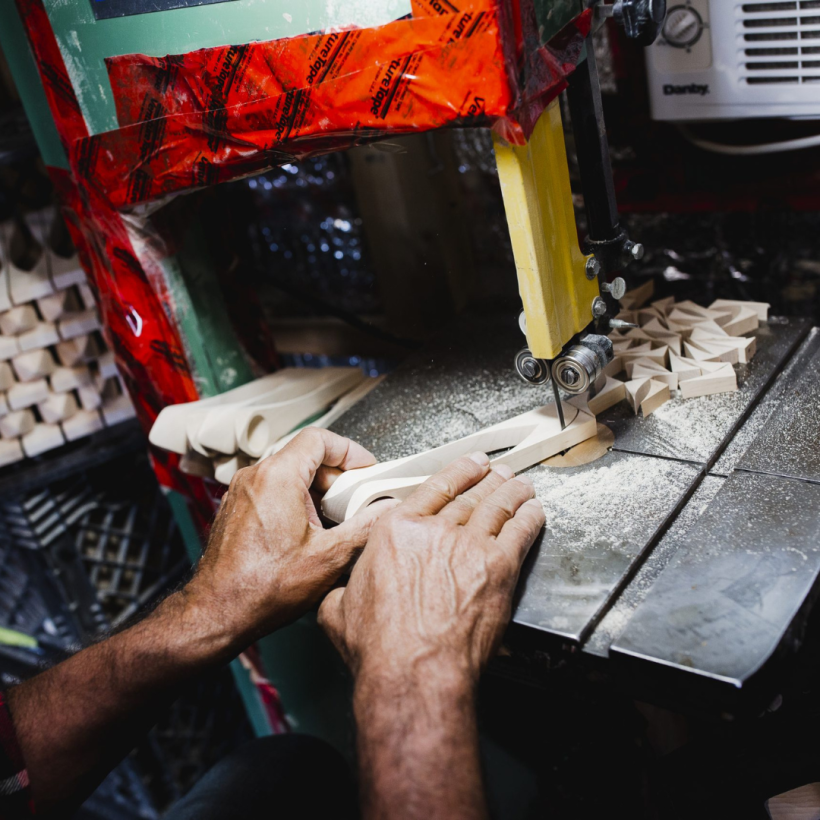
418 745
76 720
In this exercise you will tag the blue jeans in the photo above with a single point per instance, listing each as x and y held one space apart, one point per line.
282 777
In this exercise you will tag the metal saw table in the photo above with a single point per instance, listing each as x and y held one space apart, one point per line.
685 559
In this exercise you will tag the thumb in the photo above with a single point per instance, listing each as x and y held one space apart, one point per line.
352 535
331 616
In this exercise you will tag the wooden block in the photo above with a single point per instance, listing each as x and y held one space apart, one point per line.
56 305
87 296
32 280
638 297
727 353
9 346
648 314
683 330
671 340
663 305
5 301
630 365
636 392
723 380
746 346
23 395
116 403
106 365
658 394
685 369
79 350
6 376
656 326
70 378
57 407
65 271
35 364
802 803
11 451
628 316
625 344
667 376
18 320
658 354
698 354
43 335
760 308
4 405
610 394
614 367
719 316
78 324
82 423
193 463
41 439
532 437
745 321
90 397
226 467
17 423
710 326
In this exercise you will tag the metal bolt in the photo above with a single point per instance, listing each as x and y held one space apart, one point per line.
529 367
616 288
598 307
570 376
637 250
522 322
593 268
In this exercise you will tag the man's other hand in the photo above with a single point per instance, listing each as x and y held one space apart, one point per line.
432 593
269 559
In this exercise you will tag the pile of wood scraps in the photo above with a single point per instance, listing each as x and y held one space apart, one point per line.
220 435
677 346
58 380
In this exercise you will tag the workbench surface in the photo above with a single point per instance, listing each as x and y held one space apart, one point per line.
685 556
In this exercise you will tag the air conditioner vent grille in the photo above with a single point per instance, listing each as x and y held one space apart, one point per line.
786 24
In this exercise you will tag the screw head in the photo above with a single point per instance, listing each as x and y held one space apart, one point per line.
637 251
570 376
529 367
593 268
598 307
616 288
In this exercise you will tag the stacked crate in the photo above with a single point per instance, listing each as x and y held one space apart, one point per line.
58 380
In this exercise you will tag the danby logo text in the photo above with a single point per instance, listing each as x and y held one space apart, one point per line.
692 88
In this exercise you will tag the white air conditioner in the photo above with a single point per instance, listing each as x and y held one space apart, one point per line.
732 59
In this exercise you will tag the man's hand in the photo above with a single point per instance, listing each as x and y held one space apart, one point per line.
269 559
424 611
436 581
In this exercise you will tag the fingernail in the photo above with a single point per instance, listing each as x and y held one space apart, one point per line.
524 479
480 458
504 471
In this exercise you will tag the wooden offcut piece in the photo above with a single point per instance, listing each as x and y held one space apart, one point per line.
70 378
802 803
80 350
57 407
723 380
17 423
28 274
22 395
11 451
18 320
6 376
610 394
42 438
43 334
532 436
58 304
658 394
636 392
34 364
760 308
81 424
78 323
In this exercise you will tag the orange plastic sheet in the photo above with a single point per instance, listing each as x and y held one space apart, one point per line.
195 119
